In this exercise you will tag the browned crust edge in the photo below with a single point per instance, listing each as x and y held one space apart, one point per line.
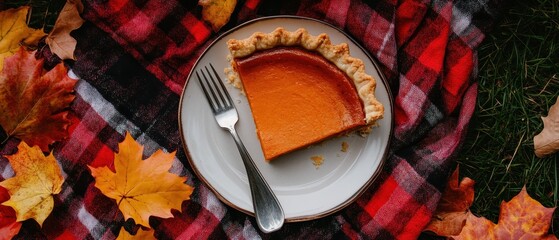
337 54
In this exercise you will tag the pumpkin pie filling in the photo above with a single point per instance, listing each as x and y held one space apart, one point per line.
287 89
300 96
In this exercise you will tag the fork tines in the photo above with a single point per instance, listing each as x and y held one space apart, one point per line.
214 89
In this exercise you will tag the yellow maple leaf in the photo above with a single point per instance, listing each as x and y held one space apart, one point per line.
14 32
141 234
142 188
37 178
217 12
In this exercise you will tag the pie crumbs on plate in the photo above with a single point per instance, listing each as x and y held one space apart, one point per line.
345 146
317 160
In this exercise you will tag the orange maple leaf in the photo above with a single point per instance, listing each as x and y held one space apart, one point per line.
520 218
453 208
59 39
14 32
141 234
8 225
142 188
34 103
37 179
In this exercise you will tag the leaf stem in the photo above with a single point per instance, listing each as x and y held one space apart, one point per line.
4 136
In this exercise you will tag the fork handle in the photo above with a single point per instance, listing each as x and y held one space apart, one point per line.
268 211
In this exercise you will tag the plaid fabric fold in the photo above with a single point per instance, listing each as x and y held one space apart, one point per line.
133 57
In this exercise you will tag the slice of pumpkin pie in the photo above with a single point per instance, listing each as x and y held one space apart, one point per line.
302 89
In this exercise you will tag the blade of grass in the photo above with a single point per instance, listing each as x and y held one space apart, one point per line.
519 65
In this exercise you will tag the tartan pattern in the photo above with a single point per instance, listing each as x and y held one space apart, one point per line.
133 59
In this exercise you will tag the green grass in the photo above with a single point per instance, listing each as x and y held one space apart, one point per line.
518 82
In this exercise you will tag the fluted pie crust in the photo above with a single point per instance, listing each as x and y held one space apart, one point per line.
309 50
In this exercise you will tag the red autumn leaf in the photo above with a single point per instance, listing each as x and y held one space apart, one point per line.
453 208
520 218
475 228
8 225
34 102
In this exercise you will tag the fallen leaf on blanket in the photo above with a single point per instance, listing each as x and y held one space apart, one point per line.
520 218
34 103
37 178
59 39
141 234
217 12
14 32
453 208
9 227
547 141
142 188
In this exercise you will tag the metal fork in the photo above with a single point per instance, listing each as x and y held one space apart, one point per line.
268 211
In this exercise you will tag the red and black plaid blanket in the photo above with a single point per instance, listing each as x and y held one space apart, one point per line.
133 57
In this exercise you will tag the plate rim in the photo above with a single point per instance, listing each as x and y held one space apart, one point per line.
340 206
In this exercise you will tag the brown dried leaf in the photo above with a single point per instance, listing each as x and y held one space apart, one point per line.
476 228
547 141
59 39
217 12
453 209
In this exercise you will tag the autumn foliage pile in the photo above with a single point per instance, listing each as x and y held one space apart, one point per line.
36 111
521 218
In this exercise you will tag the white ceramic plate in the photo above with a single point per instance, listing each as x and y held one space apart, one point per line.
304 191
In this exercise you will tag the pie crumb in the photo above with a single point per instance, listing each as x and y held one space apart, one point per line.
345 146
317 160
